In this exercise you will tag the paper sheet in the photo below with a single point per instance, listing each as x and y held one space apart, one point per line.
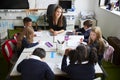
74 40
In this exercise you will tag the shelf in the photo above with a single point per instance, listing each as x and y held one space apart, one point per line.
113 11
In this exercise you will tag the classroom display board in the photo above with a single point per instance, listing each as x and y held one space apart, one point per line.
4 26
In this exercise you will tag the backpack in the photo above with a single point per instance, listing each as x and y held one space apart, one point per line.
108 53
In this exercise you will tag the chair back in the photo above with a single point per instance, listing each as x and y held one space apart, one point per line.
8 49
15 36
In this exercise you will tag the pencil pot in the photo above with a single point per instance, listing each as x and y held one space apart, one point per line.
60 48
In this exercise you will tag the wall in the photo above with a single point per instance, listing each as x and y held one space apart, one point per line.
81 5
109 22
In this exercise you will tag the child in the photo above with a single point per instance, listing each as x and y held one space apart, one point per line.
81 65
35 68
85 30
27 23
25 41
96 40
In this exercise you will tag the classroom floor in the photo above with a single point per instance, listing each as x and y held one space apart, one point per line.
113 71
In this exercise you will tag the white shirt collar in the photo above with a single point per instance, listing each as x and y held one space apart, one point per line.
35 57
88 29
84 62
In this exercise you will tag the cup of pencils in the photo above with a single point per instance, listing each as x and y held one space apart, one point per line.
60 47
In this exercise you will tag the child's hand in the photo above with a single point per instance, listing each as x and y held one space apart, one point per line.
38 41
81 40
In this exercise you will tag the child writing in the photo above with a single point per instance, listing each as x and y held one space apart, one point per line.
96 40
81 65
27 24
34 68
85 30
25 41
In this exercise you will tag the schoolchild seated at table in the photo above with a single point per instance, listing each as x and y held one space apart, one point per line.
27 23
96 40
25 41
85 30
81 64
34 68
57 22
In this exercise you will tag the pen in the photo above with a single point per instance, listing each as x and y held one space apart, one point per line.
63 42
58 41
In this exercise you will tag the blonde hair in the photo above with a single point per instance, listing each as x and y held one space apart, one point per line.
29 36
98 32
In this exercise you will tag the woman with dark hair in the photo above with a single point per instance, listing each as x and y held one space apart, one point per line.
57 22
81 65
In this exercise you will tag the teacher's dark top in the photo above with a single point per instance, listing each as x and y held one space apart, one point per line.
56 27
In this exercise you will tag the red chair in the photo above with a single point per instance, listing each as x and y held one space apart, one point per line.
8 49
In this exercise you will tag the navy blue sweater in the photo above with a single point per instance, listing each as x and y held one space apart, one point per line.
78 71
32 69
25 44
85 33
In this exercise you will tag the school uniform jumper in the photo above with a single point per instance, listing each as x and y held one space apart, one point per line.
78 71
34 69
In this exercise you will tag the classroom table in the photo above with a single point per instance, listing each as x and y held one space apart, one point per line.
53 58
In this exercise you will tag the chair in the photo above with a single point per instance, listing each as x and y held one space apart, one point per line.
8 49
15 36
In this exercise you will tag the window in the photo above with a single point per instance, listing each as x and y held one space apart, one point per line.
110 5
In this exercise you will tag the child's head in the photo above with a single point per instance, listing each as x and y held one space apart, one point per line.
95 33
29 34
27 22
82 53
87 24
85 53
39 52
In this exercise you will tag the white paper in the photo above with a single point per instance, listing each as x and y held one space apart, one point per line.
74 40
38 34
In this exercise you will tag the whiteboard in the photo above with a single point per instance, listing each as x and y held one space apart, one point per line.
41 4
